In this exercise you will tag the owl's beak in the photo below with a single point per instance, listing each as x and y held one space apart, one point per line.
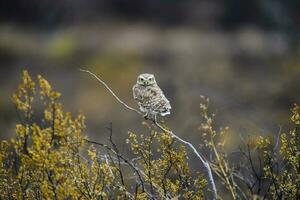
146 82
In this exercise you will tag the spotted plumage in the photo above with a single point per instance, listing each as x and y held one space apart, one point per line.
150 97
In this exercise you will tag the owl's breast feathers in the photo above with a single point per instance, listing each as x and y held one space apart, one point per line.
151 99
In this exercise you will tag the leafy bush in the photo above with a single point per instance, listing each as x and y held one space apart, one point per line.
282 161
266 168
51 158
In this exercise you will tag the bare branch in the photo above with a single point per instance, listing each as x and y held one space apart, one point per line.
202 159
108 88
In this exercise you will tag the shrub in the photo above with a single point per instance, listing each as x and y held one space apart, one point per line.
282 161
51 158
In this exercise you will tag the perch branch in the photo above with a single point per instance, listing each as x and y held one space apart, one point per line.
108 88
202 159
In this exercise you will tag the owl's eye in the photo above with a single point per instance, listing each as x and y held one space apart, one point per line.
141 79
150 79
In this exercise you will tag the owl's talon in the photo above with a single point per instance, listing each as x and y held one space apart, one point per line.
155 118
146 116
149 116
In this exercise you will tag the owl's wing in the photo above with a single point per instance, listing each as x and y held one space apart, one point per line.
136 93
161 103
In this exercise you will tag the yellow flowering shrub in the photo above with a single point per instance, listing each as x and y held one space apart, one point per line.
282 161
166 169
51 158
265 168
214 141
37 162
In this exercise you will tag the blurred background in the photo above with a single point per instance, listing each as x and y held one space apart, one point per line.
243 55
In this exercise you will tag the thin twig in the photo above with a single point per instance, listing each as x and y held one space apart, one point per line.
202 159
108 88
122 158
119 160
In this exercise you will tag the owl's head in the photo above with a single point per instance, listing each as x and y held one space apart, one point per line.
146 79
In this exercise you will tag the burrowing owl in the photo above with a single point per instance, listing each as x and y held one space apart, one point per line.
150 97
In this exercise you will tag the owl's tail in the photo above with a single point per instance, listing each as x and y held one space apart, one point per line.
164 113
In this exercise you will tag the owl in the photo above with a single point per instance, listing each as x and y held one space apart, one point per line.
150 97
